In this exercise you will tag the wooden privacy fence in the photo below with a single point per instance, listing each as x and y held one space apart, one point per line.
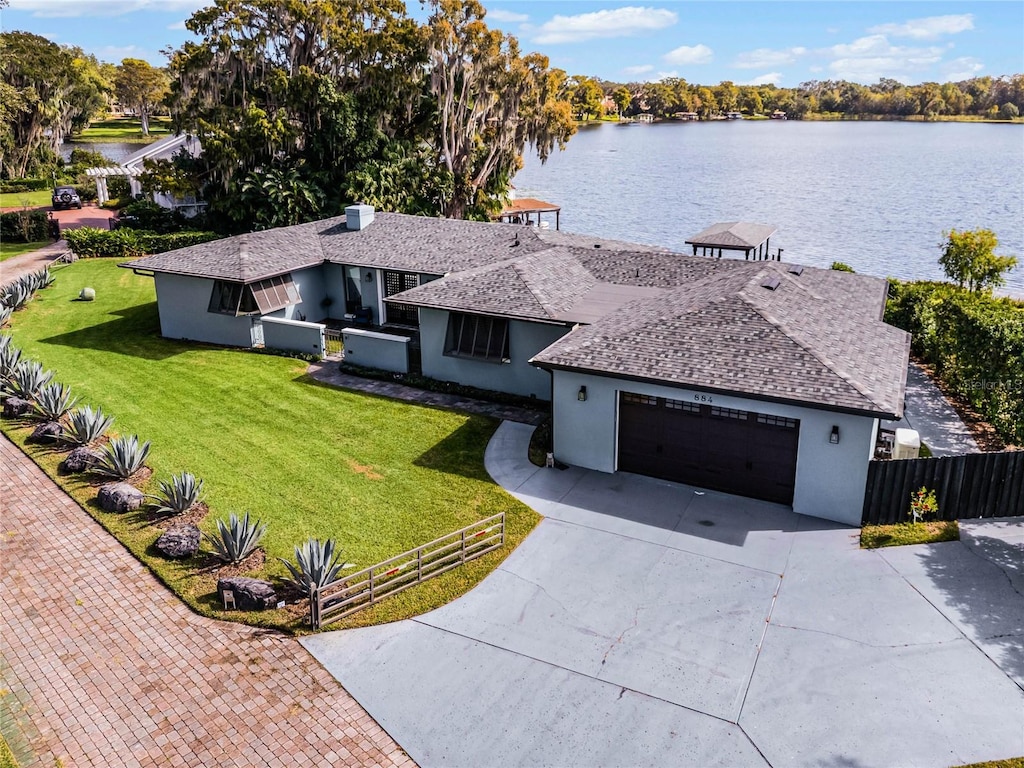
975 485
362 589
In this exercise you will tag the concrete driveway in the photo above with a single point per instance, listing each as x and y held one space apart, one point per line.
648 623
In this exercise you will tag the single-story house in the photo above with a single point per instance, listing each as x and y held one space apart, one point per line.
764 379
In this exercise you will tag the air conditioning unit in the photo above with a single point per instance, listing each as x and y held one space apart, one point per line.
907 444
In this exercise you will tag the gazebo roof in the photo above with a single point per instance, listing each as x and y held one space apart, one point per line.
733 236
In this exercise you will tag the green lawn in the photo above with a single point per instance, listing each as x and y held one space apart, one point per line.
38 198
125 129
378 476
901 534
9 250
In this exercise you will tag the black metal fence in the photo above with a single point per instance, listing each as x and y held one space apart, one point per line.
974 485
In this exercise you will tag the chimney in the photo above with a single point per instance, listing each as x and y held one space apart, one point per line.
358 216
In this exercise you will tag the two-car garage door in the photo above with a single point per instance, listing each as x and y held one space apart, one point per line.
742 452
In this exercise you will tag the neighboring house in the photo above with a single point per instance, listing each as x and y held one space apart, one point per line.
133 167
757 378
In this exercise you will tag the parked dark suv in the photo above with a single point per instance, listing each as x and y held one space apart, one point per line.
66 197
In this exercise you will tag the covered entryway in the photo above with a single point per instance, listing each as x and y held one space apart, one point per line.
742 452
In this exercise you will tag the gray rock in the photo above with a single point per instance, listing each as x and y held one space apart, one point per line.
45 433
80 459
180 541
15 407
120 497
250 594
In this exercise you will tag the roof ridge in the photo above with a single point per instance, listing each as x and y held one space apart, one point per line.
823 359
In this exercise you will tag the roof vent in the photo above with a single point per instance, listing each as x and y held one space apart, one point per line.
771 283
358 216
796 269
597 245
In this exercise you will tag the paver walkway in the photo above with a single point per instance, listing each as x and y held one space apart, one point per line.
102 666
929 412
329 373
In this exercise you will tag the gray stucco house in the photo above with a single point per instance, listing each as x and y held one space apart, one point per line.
759 378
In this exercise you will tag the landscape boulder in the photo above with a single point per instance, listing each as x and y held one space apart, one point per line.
179 542
15 407
250 594
45 433
120 497
80 459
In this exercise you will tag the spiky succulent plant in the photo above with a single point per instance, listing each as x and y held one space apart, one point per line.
85 426
53 401
236 539
316 564
123 457
179 495
29 378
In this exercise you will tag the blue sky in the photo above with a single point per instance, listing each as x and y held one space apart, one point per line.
785 43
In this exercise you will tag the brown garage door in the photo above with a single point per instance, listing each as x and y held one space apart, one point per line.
742 452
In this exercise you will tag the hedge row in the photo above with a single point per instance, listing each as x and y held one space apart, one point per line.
25 185
974 341
89 242
24 226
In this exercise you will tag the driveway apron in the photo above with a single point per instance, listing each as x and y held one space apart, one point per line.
649 623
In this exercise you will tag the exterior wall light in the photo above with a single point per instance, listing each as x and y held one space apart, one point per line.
582 394
834 436
369 277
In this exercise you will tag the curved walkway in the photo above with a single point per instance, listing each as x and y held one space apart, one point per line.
102 666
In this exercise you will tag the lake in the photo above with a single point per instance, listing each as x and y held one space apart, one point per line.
876 195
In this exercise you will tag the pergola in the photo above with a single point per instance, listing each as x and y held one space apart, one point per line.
744 236
523 210
102 174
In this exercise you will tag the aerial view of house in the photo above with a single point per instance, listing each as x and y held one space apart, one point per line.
759 378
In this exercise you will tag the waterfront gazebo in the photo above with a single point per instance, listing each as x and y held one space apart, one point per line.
748 237
527 210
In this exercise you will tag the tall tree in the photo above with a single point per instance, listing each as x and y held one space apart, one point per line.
491 103
969 259
140 86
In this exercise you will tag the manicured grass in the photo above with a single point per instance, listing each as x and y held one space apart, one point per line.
6 758
37 198
9 250
900 534
1012 762
125 129
378 476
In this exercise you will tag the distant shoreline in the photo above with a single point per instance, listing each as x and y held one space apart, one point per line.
825 117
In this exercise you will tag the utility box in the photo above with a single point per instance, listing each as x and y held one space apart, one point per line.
907 444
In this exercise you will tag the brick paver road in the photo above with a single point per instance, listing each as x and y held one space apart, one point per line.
102 666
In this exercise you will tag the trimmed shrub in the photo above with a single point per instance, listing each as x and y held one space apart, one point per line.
24 226
25 185
123 243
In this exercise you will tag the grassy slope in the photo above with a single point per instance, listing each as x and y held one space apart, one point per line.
125 129
10 250
378 476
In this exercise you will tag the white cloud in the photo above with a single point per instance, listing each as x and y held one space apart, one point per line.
869 58
637 70
689 54
765 57
178 25
666 75
928 28
75 8
619 22
963 68
770 78
499 14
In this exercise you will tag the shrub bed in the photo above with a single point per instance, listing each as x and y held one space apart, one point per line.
89 242
24 226
975 342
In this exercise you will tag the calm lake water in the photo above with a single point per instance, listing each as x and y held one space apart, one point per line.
877 196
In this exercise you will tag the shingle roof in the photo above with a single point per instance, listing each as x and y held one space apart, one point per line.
817 338
737 235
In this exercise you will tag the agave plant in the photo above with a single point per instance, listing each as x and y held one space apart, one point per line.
10 358
179 495
29 378
5 314
16 295
316 564
54 400
236 539
44 278
123 457
86 426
